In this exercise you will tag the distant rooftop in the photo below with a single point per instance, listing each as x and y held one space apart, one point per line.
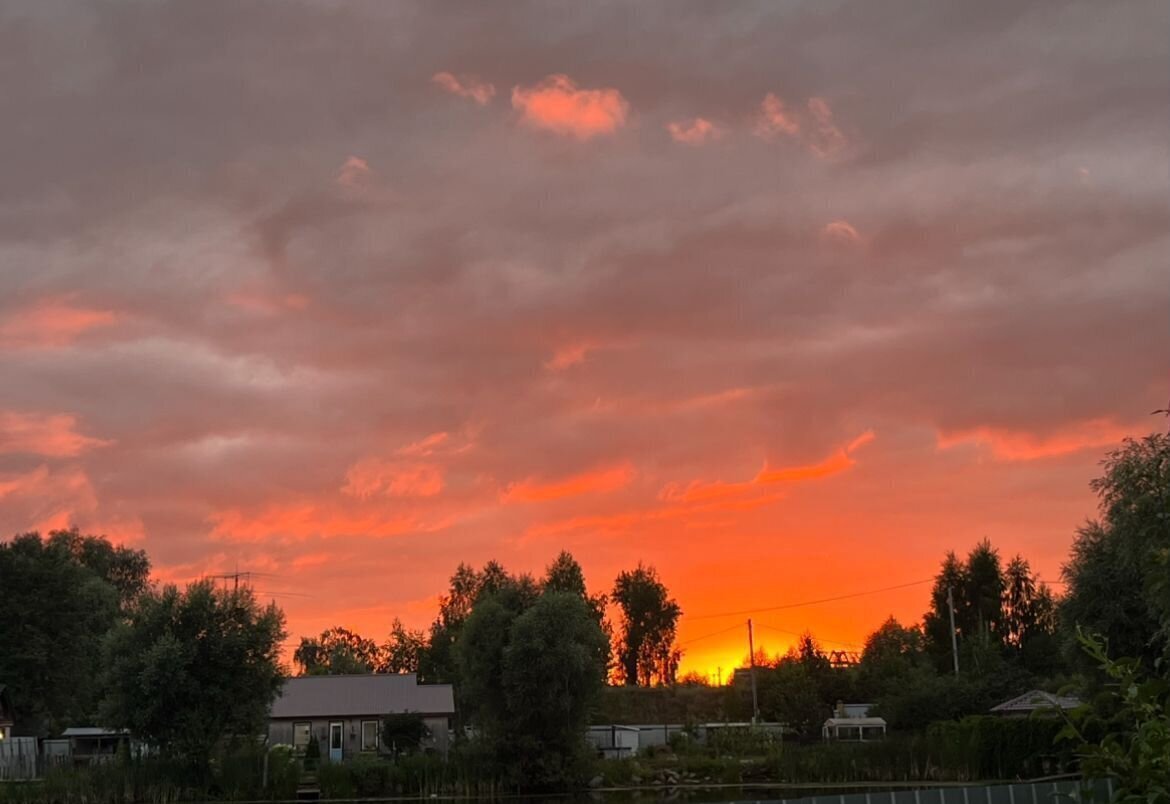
1036 699
352 696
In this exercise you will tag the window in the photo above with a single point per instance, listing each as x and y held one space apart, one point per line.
369 735
301 733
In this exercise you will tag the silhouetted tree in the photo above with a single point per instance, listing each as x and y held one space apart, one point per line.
337 651
401 651
646 650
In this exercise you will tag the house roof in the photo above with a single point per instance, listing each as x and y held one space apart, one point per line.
1036 699
93 731
350 696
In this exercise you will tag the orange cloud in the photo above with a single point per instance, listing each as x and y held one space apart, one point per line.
567 356
596 482
303 520
353 171
50 434
717 491
1015 445
841 232
379 477
53 322
774 119
825 139
467 86
426 446
557 105
694 132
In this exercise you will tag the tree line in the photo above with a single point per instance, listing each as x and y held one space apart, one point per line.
641 645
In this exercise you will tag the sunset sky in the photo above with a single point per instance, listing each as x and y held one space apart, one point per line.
783 298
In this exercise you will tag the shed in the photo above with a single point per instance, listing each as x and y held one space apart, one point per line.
345 712
854 729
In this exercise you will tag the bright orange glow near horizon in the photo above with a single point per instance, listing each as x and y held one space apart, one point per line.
785 300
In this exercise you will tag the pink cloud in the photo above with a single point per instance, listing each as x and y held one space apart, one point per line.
824 138
1017 445
53 322
49 434
426 446
353 171
466 86
390 478
568 356
593 482
774 119
697 131
841 232
556 104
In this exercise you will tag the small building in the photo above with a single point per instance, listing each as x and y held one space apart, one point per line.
1035 701
613 741
854 729
345 713
91 745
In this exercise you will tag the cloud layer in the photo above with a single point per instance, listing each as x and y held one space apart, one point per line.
772 296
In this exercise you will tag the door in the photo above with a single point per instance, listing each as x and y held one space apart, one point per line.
336 733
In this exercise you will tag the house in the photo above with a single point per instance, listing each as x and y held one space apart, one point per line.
1035 701
345 713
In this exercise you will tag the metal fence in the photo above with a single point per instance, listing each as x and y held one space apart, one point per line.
1049 792
18 758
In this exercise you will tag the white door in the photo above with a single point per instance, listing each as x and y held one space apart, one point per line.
336 733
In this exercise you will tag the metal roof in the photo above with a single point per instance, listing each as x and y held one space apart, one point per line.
351 696
93 731
1037 699
855 721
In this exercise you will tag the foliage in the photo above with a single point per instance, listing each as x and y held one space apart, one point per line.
338 651
988 747
60 596
1134 715
404 732
646 649
188 668
401 651
532 678
1118 572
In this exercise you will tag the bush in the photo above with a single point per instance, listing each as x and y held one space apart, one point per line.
988 747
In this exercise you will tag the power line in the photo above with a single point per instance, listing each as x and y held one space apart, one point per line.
818 639
735 627
744 612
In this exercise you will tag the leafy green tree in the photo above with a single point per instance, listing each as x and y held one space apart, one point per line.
401 651
188 668
58 598
891 654
788 694
124 568
952 578
982 593
403 732
1134 749
554 671
646 651
438 662
1118 573
564 574
532 676
338 651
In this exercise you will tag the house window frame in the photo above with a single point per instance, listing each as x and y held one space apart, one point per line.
308 724
362 735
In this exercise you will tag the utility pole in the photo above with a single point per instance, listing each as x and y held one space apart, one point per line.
752 665
954 639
